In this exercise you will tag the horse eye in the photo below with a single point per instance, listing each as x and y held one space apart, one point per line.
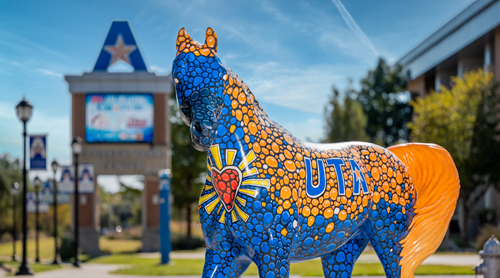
186 112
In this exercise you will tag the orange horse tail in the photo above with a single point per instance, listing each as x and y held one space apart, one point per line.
436 181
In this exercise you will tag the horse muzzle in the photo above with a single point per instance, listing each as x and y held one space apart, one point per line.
202 135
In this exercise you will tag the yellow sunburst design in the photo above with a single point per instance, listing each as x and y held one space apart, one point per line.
210 200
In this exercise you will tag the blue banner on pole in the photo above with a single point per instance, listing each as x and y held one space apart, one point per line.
38 152
43 206
85 179
47 194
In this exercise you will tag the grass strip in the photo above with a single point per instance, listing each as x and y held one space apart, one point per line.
151 267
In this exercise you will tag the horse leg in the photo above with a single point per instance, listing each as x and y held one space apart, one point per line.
340 262
273 267
225 264
273 258
385 233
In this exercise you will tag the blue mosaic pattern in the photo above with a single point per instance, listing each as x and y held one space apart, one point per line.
272 199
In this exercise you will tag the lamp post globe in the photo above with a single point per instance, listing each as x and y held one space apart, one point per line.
14 191
38 182
24 110
76 147
55 165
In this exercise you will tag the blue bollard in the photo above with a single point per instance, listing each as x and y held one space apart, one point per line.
165 242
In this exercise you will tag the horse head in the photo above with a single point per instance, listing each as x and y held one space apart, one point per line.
199 78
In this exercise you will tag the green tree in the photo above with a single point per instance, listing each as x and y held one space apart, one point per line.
129 208
385 103
344 118
10 172
463 120
188 166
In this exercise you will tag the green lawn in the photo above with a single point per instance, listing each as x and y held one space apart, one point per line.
37 268
147 266
116 246
47 247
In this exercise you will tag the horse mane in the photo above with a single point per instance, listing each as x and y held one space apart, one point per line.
252 103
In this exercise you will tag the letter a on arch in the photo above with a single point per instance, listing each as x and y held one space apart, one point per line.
120 45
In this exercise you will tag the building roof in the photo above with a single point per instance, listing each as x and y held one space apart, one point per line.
472 22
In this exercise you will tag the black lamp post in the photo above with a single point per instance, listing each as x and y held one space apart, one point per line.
56 250
38 184
76 146
24 109
14 191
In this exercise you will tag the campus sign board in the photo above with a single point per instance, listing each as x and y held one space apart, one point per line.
118 118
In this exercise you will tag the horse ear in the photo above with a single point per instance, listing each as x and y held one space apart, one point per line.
211 39
182 36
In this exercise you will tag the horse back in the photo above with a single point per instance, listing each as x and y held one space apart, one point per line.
340 186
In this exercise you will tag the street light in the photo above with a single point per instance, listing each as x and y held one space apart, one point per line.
56 261
24 109
14 191
38 184
76 146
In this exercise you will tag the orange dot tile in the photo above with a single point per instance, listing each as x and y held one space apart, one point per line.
306 211
271 161
310 221
329 227
342 215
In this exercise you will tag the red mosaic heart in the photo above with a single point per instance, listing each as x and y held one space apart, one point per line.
226 183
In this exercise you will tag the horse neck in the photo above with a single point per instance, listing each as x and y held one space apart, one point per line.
246 102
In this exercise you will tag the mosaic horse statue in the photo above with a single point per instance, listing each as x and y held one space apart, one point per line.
271 199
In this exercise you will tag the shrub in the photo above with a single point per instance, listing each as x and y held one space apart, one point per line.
183 243
66 251
484 234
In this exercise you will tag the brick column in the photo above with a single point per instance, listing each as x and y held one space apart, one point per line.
150 214
89 211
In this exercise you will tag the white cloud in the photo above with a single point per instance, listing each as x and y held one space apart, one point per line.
159 69
58 129
49 73
34 66
309 130
354 26
19 42
301 88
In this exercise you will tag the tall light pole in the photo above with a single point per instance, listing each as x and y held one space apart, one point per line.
55 165
14 191
24 110
76 146
38 184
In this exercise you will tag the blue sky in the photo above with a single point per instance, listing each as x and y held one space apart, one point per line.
290 53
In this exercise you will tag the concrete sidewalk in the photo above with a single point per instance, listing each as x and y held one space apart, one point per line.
102 271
